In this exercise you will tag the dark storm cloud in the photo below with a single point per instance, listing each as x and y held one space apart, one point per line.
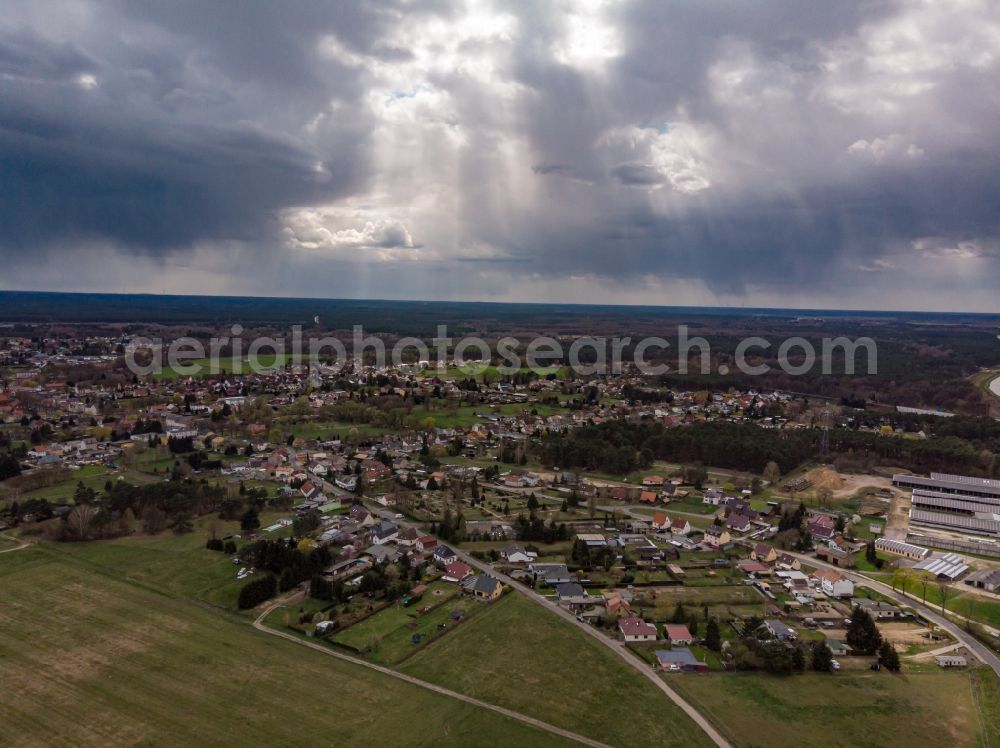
741 146
25 55
183 139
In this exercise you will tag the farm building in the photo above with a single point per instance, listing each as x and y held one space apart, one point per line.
899 548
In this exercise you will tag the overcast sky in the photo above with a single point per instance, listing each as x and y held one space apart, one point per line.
840 154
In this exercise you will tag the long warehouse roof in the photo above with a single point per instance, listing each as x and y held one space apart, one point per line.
958 484
957 521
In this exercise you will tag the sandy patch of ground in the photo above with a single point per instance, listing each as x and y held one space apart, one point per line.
842 485
898 519
904 634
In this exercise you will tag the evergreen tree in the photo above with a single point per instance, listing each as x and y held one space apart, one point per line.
822 657
863 635
680 616
255 592
713 638
870 554
319 588
287 580
250 520
798 660
889 657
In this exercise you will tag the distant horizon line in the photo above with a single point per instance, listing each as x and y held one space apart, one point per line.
720 307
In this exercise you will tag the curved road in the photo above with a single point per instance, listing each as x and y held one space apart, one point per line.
537 723
21 547
614 645
995 386
984 653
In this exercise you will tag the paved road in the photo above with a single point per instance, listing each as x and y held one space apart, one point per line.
615 646
537 723
984 653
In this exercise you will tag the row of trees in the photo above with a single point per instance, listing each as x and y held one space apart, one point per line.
291 561
256 591
758 649
535 529
619 447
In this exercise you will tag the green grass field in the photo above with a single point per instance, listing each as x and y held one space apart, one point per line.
91 660
492 373
929 709
388 635
968 605
178 565
265 362
519 656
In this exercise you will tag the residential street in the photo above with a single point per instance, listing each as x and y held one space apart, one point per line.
981 651
615 646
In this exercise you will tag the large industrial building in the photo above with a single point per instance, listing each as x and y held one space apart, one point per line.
954 502
964 485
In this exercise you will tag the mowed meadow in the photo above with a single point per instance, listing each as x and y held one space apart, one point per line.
88 659
525 658
138 641
931 708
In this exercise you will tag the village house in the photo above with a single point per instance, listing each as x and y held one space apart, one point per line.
835 556
426 543
833 583
788 562
482 587
753 568
660 521
408 537
878 609
712 496
516 554
551 574
679 659
680 527
780 631
615 603
737 522
821 526
677 633
384 532
635 629
382 554
347 482
716 536
456 571
443 555
764 553
619 493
